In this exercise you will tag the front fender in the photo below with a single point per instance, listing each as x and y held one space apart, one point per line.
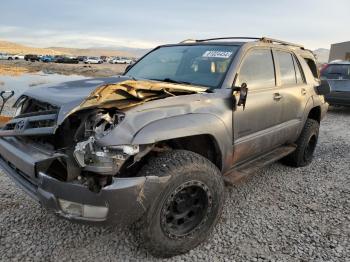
186 125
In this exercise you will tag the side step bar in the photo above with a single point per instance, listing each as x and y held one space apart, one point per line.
237 173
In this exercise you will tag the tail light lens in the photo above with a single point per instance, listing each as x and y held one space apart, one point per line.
323 68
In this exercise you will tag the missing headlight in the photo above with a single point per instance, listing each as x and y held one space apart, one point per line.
102 122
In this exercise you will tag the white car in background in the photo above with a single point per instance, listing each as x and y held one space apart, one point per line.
120 60
5 56
93 60
18 57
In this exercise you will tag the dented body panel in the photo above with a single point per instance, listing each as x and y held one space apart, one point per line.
83 142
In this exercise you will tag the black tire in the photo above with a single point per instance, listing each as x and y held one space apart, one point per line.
10 58
196 189
306 145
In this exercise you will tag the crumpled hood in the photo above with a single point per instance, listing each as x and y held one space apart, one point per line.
69 92
129 93
90 92
120 92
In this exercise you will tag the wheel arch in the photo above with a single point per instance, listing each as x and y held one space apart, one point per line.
204 134
315 114
205 145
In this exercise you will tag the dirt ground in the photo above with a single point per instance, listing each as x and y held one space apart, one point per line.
14 68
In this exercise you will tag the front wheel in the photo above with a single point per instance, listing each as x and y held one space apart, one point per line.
186 211
306 145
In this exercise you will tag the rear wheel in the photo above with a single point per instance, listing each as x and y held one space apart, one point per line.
186 211
306 145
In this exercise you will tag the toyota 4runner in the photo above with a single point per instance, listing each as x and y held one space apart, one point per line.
155 145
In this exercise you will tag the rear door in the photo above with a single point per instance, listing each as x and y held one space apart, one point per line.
294 92
256 126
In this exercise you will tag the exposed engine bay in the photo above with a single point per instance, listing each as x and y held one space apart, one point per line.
84 160
79 158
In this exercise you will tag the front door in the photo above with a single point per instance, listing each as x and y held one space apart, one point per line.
256 127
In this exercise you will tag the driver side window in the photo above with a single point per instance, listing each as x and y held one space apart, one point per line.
257 70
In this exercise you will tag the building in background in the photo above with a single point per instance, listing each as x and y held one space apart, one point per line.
340 51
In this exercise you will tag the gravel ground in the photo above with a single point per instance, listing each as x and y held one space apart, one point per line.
279 214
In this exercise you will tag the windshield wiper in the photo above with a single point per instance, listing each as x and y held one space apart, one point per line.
169 80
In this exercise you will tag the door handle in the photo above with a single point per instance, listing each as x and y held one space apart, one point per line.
303 91
277 96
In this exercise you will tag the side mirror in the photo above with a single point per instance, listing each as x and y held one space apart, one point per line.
243 93
324 88
5 96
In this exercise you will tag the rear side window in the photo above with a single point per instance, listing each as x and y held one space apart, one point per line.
286 65
257 70
298 71
312 66
336 72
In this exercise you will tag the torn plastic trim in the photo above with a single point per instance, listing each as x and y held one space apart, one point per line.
106 160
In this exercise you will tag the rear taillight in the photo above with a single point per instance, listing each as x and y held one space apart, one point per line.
324 67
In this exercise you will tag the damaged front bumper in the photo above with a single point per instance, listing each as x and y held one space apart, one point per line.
122 202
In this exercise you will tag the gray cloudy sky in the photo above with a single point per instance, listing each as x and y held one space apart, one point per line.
144 24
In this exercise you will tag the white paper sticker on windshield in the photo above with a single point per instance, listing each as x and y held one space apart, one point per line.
217 54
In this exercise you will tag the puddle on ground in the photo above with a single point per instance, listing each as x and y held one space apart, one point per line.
6 70
20 80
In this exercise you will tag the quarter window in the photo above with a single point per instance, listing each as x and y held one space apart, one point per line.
257 70
298 74
286 65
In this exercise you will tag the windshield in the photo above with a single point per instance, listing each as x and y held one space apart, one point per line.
203 65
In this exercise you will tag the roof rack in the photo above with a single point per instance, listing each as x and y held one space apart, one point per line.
262 39
271 40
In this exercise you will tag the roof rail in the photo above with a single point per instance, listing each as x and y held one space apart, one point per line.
188 41
227 38
271 40
262 39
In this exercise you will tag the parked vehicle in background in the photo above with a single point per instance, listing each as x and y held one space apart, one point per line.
109 59
18 57
155 145
81 58
31 58
337 74
5 56
120 60
103 58
93 60
47 58
66 60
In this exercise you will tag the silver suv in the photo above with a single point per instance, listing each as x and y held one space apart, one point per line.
155 145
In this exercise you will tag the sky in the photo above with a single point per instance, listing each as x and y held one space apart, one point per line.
146 24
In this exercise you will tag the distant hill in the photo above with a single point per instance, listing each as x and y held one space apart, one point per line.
92 52
322 55
14 48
